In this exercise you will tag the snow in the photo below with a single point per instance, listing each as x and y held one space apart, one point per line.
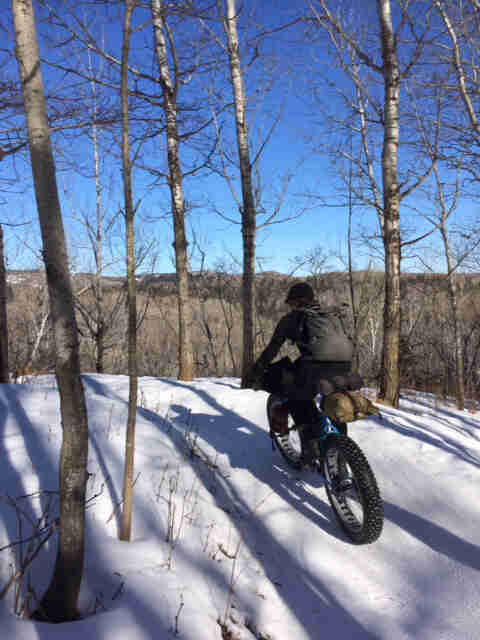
253 545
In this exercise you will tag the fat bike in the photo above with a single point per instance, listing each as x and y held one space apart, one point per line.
349 481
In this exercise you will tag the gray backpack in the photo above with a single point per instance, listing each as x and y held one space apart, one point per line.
322 335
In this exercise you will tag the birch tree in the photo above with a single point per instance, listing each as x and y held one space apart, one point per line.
459 19
255 211
460 53
387 196
59 603
248 212
169 82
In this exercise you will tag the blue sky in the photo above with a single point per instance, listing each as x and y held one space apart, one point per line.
289 151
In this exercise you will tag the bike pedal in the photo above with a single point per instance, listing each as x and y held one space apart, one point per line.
343 484
311 464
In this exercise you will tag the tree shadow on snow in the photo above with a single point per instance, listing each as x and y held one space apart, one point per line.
248 446
36 470
427 434
434 536
109 460
452 418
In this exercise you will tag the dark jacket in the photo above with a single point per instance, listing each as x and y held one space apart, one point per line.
334 347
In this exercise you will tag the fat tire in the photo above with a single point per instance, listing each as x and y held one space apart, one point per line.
291 457
338 447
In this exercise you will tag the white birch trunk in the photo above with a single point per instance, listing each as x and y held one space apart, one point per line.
169 89
390 373
248 210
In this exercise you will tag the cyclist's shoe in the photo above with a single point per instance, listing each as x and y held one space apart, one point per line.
308 459
279 417
304 431
309 456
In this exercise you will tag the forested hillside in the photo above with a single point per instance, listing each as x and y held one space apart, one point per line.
427 354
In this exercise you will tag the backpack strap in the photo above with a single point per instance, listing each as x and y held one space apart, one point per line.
302 339
300 329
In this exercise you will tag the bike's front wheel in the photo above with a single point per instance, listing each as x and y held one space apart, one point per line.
357 503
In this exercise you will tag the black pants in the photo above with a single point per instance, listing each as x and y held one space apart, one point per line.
311 377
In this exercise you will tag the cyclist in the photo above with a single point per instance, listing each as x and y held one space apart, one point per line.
325 352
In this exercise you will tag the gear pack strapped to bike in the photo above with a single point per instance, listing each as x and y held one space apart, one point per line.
348 406
342 400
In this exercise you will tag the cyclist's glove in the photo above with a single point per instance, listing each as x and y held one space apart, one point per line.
255 378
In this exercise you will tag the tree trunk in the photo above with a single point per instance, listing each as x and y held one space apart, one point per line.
126 525
60 601
99 297
351 275
169 89
390 373
4 372
457 324
248 210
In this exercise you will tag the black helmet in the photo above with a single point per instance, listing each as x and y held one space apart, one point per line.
301 290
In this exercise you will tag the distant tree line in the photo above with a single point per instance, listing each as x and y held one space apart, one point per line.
427 354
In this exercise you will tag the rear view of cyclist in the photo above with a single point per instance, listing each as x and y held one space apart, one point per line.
325 352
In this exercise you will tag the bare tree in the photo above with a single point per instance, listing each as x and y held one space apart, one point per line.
455 83
97 240
4 371
385 199
170 85
60 600
462 23
458 247
248 202
126 525
98 313
445 210
153 113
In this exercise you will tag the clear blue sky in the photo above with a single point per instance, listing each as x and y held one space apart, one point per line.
289 151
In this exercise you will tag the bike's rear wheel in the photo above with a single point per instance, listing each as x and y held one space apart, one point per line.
289 445
359 509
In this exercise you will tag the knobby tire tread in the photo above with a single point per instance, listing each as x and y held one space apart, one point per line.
366 483
291 458
366 486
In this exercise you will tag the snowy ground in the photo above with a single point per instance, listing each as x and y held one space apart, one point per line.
252 545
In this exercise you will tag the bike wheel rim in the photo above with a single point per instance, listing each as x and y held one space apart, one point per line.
348 504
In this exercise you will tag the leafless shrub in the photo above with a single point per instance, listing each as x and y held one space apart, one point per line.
33 533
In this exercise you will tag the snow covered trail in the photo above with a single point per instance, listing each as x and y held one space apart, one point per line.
225 532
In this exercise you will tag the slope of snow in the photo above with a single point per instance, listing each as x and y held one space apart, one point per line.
224 533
